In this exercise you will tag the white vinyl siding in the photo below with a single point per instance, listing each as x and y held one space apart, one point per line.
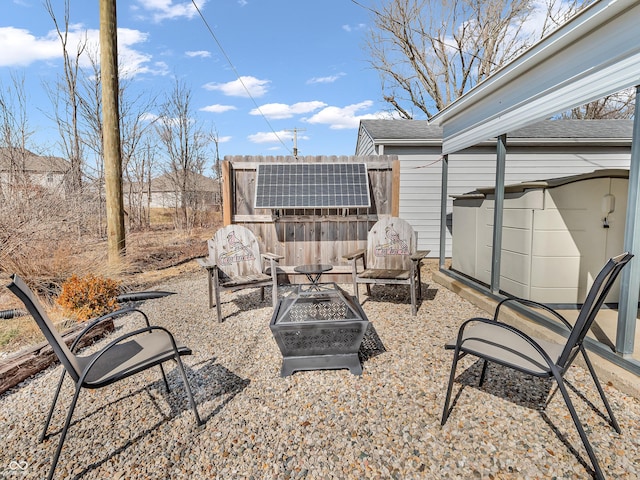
420 177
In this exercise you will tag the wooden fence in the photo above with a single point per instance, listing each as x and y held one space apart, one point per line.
305 236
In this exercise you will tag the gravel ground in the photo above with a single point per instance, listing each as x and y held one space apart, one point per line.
316 424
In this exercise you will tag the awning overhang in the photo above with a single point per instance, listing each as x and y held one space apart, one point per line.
571 67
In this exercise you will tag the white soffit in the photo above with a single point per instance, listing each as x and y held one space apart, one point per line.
595 54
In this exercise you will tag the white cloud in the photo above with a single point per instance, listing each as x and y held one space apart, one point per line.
329 79
149 117
282 110
341 118
225 139
352 28
21 48
198 53
169 10
274 137
243 87
217 108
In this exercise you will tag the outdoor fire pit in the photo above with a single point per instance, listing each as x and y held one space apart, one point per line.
318 329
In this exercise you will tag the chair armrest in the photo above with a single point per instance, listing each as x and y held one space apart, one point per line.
270 261
357 254
271 256
531 303
420 255
108 316
206 262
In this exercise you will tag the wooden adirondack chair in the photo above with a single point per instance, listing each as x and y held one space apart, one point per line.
391 257
235 263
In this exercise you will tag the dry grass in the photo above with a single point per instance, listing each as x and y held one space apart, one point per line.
152 256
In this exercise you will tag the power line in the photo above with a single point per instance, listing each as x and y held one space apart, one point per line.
213 35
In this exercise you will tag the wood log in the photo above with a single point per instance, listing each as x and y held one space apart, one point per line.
34 359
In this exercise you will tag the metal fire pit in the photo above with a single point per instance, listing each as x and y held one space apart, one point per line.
319 329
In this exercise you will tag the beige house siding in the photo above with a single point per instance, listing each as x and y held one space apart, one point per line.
165 192
24 166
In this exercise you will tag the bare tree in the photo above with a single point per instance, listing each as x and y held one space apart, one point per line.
185 145
217 169
14 134
65 98
615 106
138 174
135 129
430 52
32 210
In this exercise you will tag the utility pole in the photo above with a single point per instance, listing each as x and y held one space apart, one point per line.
295 139
111 131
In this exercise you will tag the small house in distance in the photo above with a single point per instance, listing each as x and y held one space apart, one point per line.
548 149
165 191
23 167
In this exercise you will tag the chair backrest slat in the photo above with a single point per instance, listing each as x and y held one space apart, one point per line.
236 251
390 244
595 298
20 289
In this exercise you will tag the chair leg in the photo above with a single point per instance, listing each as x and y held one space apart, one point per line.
613 421
210 286
216 284
484 372
452 376
414 309
578 424
355 283
187 387
63 434
261 294
43 435
164 377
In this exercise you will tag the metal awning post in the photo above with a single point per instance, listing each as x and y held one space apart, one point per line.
443 209
630 281
496 250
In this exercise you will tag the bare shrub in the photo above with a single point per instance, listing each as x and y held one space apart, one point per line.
44 237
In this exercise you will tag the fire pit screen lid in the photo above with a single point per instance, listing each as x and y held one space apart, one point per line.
326 303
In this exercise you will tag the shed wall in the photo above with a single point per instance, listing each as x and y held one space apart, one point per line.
554 242
420 177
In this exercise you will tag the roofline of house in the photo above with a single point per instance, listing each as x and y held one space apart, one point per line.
519 141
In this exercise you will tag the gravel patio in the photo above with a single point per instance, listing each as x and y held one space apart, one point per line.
316 424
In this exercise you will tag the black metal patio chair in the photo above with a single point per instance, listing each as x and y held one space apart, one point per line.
124 356
494 341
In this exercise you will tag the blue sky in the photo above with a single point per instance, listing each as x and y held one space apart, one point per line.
302 61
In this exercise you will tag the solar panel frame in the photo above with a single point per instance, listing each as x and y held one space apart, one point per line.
312 185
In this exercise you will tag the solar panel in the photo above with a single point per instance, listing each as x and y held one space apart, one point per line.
312 185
